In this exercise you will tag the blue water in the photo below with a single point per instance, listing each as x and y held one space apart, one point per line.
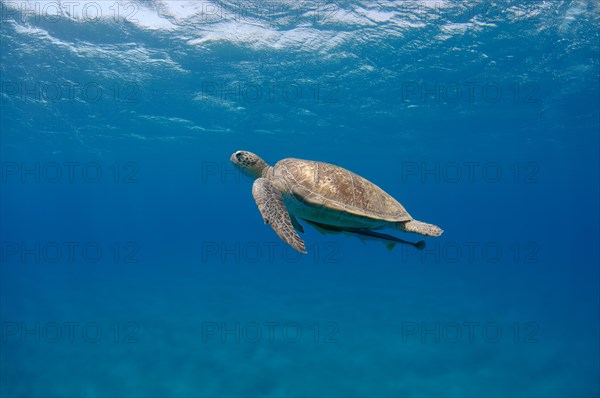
134 262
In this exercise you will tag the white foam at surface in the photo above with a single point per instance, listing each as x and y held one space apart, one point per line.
294 27
132 55
185 9
150 19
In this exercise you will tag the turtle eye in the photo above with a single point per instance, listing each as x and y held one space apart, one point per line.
238 156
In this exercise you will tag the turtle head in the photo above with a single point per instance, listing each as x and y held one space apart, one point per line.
250 164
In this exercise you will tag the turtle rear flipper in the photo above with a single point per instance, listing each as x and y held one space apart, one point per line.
272 207
420 227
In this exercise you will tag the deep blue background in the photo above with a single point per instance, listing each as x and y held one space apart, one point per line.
166 95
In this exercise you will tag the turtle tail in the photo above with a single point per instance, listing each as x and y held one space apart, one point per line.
420 227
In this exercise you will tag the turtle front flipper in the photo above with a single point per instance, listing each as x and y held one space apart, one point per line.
270 203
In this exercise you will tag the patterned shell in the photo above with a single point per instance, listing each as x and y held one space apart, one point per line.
334 188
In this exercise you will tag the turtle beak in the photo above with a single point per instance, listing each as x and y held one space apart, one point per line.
235 157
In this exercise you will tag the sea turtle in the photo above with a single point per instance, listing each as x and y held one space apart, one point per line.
327 196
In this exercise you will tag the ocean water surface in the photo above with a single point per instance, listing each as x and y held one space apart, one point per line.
135 263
